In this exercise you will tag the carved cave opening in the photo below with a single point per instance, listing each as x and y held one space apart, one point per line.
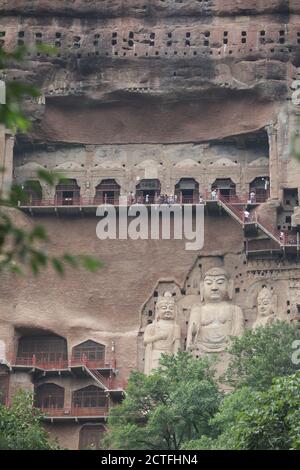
49 397
44 350
148 190
89 352
33 192
90 399
187 191
108 191
260 187
67 193
226 187
90 436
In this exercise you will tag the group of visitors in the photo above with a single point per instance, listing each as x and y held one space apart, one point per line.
174 198
161 199
149 199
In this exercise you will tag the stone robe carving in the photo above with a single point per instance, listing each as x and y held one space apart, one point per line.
163 335
265 308
216 319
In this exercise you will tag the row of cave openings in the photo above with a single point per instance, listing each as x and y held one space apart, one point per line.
50 397
186 191
89 401
128 43
50 351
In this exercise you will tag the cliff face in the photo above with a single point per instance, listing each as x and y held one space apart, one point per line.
162 71
144 9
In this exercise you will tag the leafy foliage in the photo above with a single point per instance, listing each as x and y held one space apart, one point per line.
262 354
179 406
263 410
21 426
161 411
258 420
270 420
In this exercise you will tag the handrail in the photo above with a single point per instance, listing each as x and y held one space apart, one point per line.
60 364
75 411
98 377
269 230
230 203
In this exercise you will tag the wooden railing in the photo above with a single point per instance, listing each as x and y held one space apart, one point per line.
43 362
238 210
46 363
75 411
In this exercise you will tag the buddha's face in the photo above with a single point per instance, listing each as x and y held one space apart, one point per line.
264 306
166 310
216 288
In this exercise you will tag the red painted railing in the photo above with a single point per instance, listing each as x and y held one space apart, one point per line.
270 228
159 199
75 411
110 382
238 208
288 238
95 364
47 364
43 362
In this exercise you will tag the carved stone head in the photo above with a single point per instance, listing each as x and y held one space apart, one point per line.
166 307
216 286
265 306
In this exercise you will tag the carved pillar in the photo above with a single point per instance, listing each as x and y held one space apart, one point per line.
88 191
273 162
6 159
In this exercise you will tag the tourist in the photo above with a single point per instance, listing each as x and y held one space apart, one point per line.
252 197
246 215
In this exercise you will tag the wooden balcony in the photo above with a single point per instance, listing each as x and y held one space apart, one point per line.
44 363
75 413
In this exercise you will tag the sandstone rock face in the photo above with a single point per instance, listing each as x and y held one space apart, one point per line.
177 92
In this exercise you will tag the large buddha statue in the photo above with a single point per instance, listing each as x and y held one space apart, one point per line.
163 335
265 308
216 319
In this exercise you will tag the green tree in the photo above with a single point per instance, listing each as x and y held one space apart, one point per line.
262 411
161 411
271 419
21 425
223 422
258 420
261 355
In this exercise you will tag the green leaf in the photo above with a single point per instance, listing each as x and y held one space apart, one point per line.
58 266
71 260
91 264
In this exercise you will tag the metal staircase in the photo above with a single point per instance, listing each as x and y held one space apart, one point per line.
237 212
104 382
